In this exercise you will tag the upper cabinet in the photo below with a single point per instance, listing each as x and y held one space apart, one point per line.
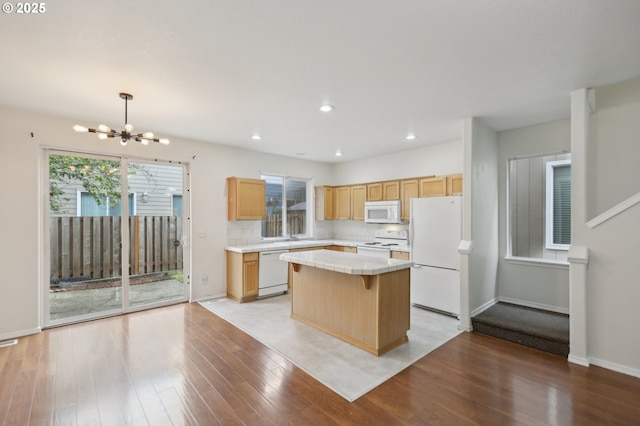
374 191
408 190
435 186
325 202
391 190
347 201
454 184
358 197
246 199
342 202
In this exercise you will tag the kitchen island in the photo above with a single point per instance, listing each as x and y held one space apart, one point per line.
362 300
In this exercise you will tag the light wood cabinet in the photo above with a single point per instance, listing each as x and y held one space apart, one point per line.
454 184
358 197
325 202
391 190
433 186
408 190
342 209
400 255
242 276
246 199
374 191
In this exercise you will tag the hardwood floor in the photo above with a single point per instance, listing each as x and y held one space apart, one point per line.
184 365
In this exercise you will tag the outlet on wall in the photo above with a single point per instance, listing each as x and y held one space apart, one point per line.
205 279
202 233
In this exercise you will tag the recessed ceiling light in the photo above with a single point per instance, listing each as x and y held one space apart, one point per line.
410 137
327 108
256 137
301 153
338 153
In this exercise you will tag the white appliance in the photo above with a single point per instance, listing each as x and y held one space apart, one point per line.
383 242
382 211
272 273
436 231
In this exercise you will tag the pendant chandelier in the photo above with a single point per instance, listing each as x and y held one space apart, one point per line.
104 132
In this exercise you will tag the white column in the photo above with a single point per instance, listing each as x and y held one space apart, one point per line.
578 260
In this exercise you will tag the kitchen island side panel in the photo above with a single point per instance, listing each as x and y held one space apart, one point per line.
375 318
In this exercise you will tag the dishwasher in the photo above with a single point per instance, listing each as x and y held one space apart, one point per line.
273 273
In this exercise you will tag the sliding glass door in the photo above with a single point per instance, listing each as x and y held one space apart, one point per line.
115 240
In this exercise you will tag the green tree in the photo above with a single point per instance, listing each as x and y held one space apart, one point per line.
100 178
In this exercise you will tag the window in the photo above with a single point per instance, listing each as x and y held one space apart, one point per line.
176 205
289 195
89 206
539 202
558 204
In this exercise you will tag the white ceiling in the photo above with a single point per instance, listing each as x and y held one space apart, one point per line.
222 70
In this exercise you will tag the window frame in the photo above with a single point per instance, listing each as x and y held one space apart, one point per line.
550 167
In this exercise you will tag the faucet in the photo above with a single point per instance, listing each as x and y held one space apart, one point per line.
292 237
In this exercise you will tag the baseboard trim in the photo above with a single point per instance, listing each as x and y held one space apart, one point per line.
534 305
20 333
467 329
484 307
578 360
615 367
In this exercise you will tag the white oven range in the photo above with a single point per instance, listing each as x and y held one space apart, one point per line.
383 242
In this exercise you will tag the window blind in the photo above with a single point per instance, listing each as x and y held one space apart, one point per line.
562 204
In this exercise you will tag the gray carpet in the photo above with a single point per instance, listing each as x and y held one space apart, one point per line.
544 330
346 369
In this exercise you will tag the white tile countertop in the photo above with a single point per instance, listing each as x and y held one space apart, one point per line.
348 263
288 245
298 244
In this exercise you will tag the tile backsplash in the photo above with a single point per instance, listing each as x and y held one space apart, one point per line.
248 232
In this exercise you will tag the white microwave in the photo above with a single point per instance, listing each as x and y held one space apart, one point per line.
382 211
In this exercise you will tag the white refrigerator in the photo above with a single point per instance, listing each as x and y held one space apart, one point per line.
435 232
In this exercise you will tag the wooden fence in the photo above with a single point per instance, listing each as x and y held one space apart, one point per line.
273 224
85 248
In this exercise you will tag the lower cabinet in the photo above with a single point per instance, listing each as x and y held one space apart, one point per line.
242 276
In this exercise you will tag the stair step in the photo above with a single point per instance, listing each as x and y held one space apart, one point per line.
536 328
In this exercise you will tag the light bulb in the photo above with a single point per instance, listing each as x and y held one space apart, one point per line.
103 136
128 127
164 141
144 141
326 108
148 135
123 142
80 129
338 153
104 128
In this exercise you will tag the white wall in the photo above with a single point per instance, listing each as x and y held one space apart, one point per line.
613 271
614 149
439 159
482 147
20 156
546 287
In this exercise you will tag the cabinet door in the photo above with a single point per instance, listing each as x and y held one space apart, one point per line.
250 274
433 187
325 201
391 190
408 190
349 249
246 199
358 195
374 191
342 202
454 184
